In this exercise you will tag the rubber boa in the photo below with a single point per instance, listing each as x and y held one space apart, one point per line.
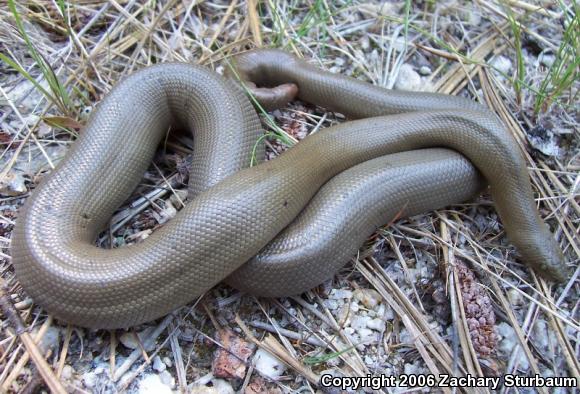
235 211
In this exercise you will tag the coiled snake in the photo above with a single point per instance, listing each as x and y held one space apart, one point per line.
269 216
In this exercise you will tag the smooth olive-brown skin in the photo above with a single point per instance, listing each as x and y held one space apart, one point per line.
234 212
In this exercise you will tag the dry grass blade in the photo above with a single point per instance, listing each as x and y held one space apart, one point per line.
30 344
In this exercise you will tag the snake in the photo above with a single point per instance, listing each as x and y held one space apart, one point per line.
273 229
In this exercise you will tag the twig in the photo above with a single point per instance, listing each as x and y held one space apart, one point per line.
32 349
287 333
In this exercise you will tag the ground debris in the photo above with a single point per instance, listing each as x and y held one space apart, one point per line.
231 358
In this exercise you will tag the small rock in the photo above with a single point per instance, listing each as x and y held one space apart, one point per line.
368 297
85 112
508 341
50 340
359 322
167 379
366 336
338 294
365 42
166 213
331 304
222 386
67 372
129 340
408 79
90 379
425 70
413 369
268 365
343 314
158 365
258 385
544 338
470 14
369 360
13 185
377 10
178 198
546 59
354 307
152 384
502 64
376 324
515 297
140 236
31 119
544 140
44 130
386 312
202 390
167 361
230 360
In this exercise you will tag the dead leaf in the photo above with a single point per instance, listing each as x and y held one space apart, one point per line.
63 122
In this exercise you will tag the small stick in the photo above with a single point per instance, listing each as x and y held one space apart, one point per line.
64 351
178 359
287 333
19 329
113 351
254 22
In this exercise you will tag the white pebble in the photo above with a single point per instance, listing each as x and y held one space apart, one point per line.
167 379
67 372
331 304
168 361
50 340
31 119
222 386
85 112
370 298
158 365
376 324
201 390
358 322
515 297
508 341
544 337
547 59
12 184
152 384
412 369
90 379
502 64
337 294
349 330
166 213
129 341
408 79
365 333
268 365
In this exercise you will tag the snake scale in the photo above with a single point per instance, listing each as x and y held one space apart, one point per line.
293 220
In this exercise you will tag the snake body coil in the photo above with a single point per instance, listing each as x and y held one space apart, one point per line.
257 215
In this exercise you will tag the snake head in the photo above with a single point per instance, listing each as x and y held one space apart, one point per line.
259 72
